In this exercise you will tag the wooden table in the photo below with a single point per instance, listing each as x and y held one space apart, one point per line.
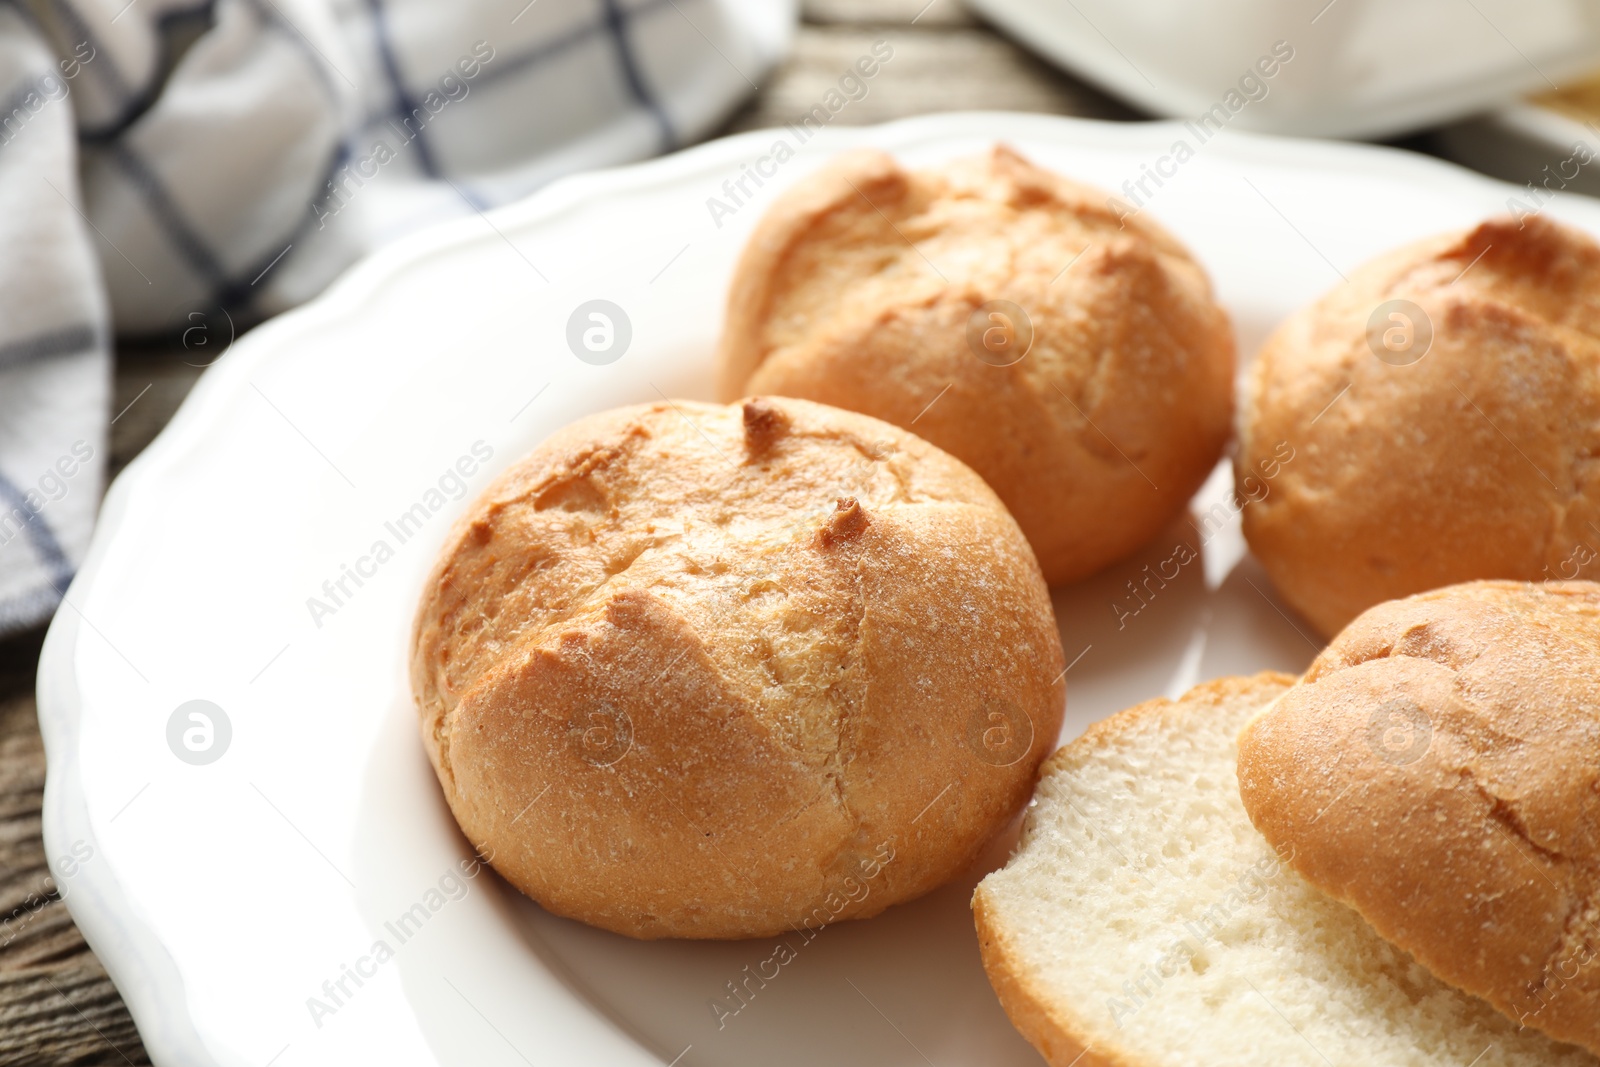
57 1006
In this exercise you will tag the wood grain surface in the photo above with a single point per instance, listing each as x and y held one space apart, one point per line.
57 1006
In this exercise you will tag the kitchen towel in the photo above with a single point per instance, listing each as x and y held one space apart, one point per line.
177 171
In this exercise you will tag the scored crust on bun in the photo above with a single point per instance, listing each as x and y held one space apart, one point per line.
689 670
1095 413
1444 409
1438 767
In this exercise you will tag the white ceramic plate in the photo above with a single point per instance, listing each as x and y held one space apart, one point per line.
222 897
1360 68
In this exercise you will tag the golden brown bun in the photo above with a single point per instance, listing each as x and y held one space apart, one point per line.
700 671
1474 461
1438 768
1143 922
857 289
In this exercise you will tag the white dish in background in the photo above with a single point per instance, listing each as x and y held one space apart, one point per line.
1362 68
1526 143
221 897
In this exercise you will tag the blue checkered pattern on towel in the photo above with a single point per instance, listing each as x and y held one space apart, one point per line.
171 161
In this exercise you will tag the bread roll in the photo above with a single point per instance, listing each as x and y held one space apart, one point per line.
1444 412
1095 413
1142 922
700 671
1439 768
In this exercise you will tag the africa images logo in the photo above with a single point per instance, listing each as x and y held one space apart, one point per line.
338 591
